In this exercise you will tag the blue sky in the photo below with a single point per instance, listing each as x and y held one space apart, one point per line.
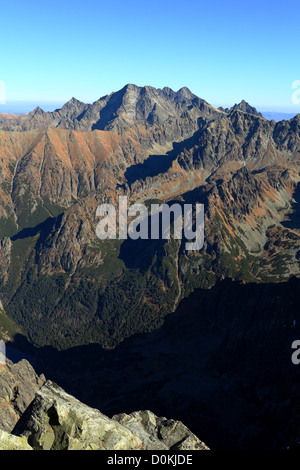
224 51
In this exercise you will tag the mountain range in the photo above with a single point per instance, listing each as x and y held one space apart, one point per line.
62 288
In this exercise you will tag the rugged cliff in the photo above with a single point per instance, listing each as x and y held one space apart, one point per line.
39 415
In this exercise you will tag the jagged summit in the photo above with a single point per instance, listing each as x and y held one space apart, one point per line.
73 102
133 105
168 91
246 108
37 112
130 86
186 93
242 106
71 108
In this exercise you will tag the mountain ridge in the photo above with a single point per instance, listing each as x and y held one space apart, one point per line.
160 145
80 116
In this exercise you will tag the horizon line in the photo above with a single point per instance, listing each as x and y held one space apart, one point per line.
58 103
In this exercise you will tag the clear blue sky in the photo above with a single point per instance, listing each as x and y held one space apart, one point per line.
224 51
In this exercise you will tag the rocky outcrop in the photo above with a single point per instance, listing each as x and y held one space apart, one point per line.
160 433
18 386
57 421
11 442
42 416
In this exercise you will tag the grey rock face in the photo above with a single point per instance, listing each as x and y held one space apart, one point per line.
5 257
18 386
160 433
11 442
56 420
172 115
246 108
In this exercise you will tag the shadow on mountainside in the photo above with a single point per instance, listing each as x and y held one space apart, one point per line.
152 166
157 164
44 227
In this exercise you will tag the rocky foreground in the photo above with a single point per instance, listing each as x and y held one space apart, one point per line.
36 414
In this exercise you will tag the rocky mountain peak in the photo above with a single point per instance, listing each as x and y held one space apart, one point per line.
168 92
246 108
131 87
74 101
37 112
132 105
185 93
72 105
